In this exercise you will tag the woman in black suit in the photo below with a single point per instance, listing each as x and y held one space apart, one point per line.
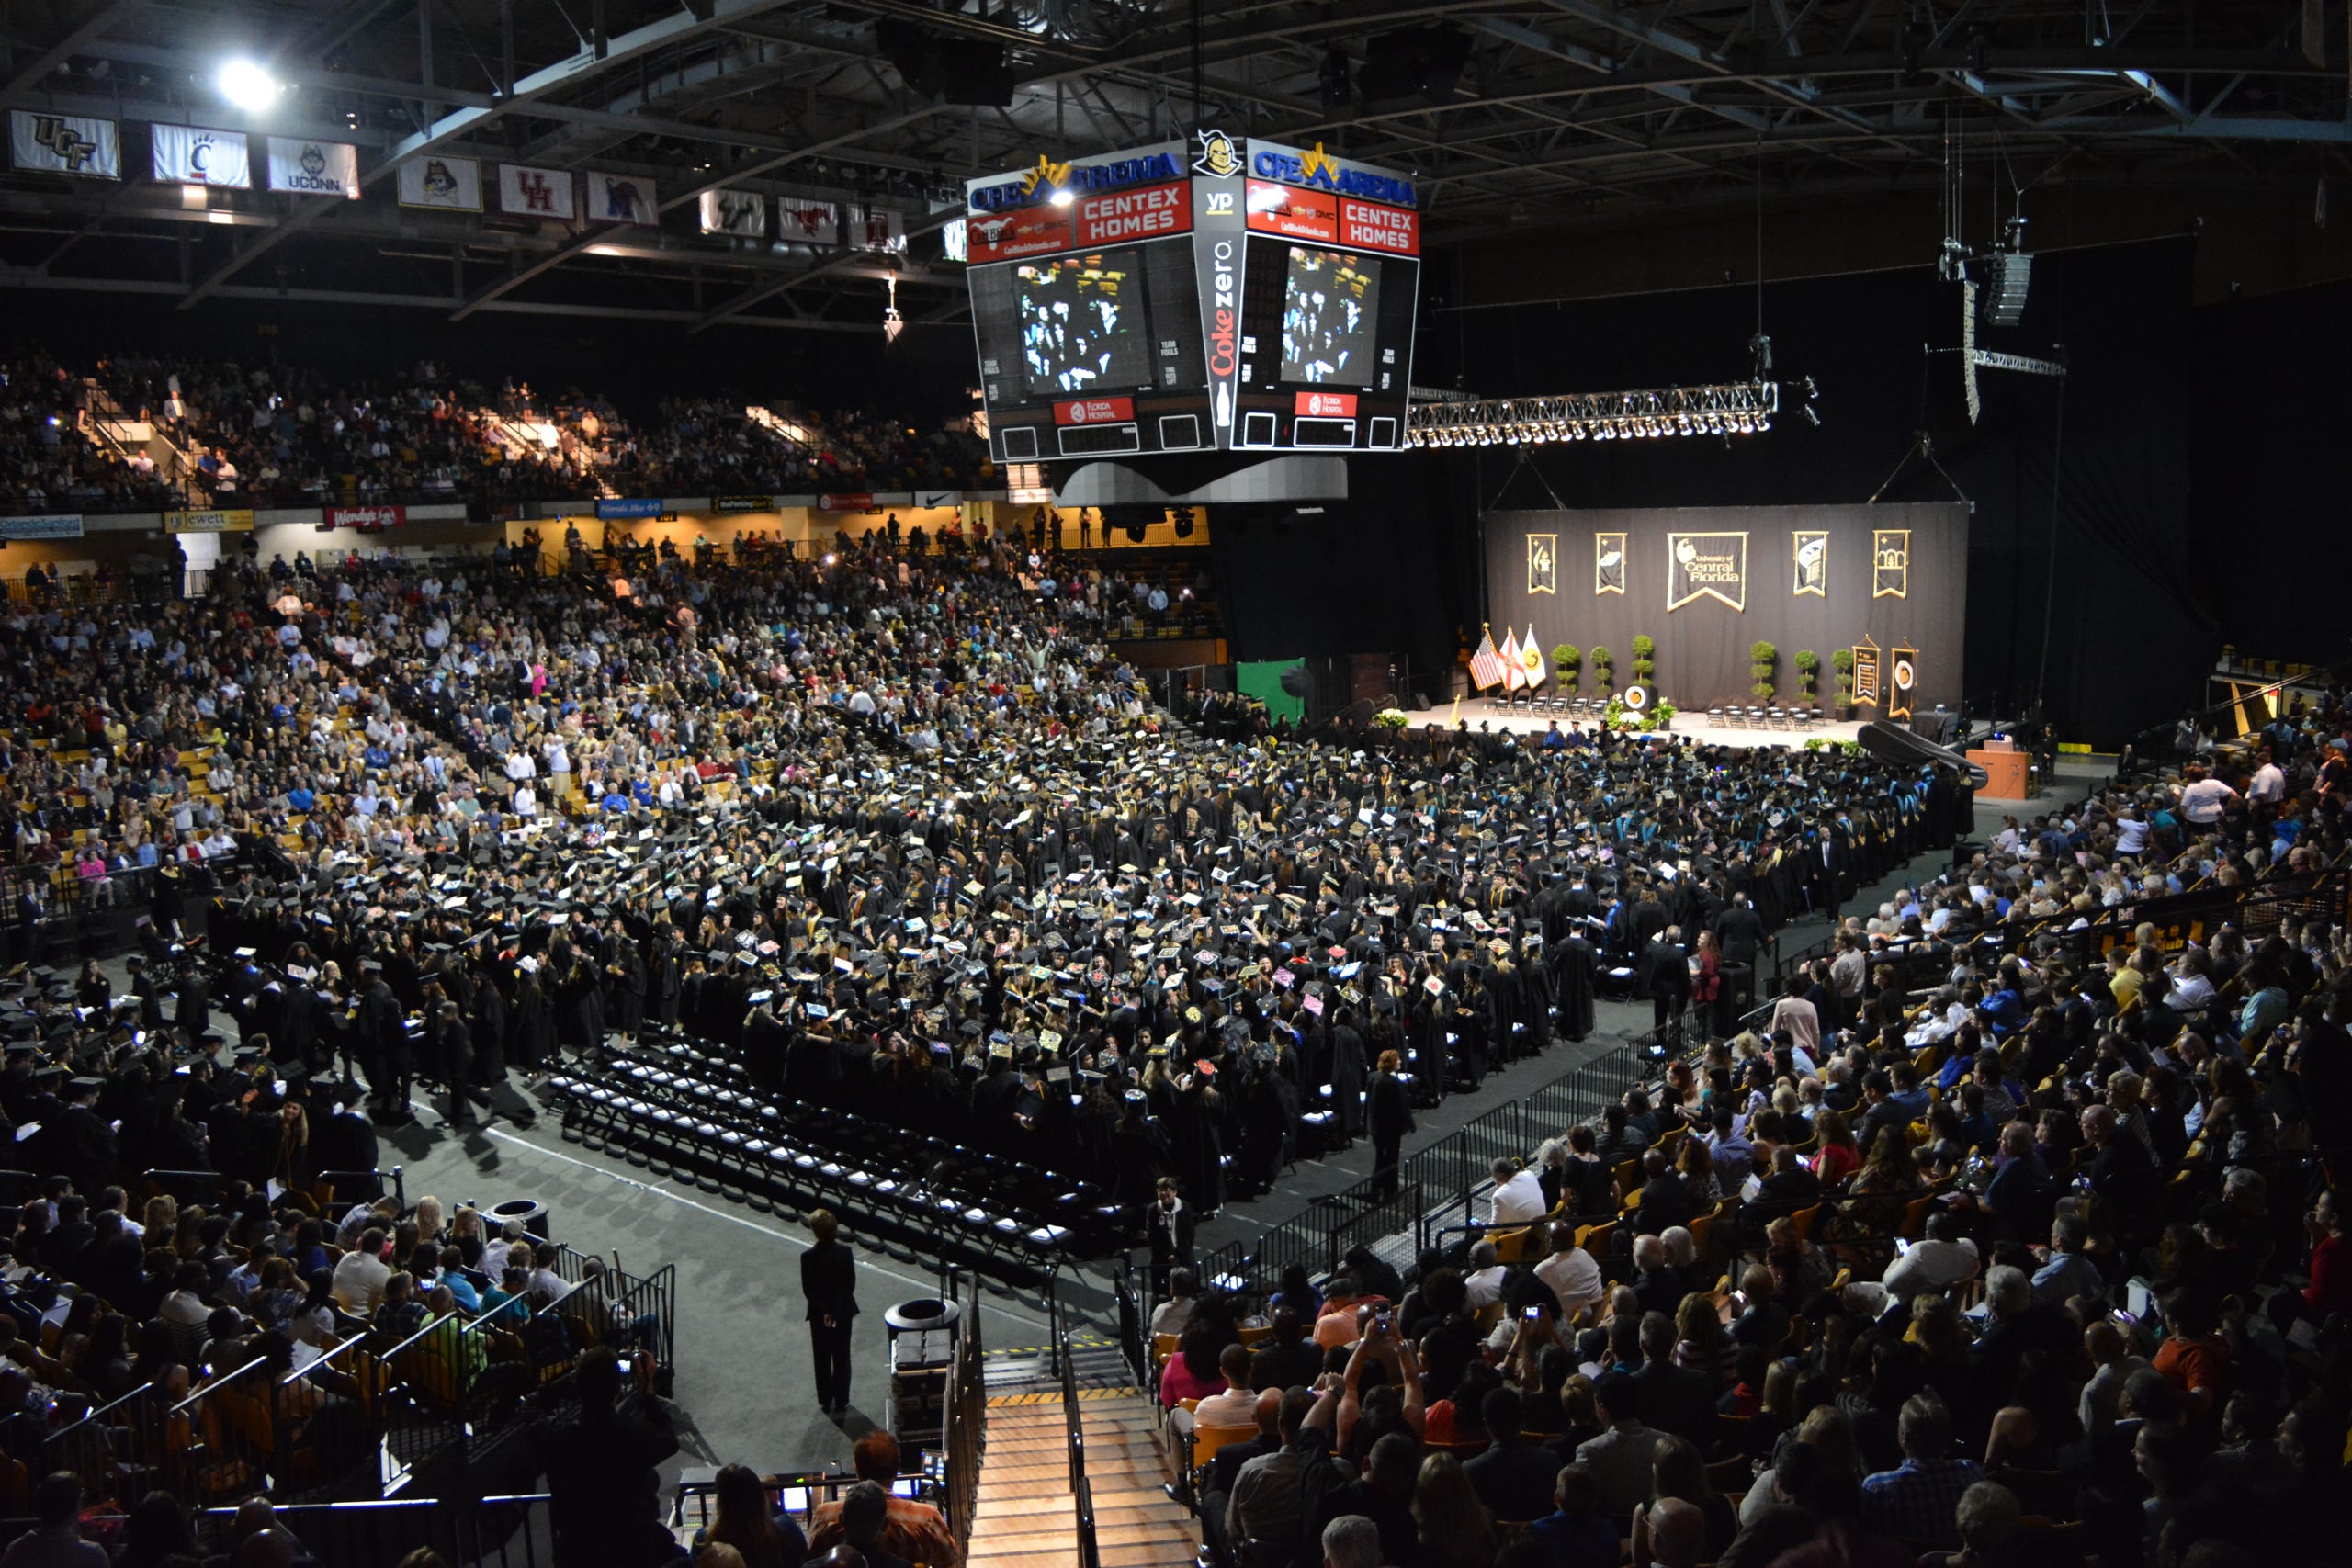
1391 1118
828 1284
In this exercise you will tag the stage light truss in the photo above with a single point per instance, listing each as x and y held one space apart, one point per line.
1737 408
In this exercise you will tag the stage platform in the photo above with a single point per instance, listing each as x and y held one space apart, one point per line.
1495 715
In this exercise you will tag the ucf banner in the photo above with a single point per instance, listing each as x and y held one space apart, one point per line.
66 144
1706 565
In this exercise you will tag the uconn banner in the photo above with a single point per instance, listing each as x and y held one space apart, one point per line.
314 168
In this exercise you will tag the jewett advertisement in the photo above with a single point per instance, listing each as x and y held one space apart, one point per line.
215 521
1706 565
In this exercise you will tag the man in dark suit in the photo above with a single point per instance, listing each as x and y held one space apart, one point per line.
1513 1478
1667 1200
1289 1356
343 1140
1680 1399
828 1286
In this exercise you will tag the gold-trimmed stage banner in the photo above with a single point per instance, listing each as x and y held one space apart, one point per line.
1903 680
1608 564
1543 563
1706 565
1891 563
1809 563
1866 672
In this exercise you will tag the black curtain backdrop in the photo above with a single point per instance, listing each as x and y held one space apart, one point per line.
2132 624
2274 470
1703 646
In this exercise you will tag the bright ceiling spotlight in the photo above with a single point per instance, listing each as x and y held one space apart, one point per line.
1062 197
246 84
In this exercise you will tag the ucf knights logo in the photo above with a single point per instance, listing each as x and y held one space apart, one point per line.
71 148
1219 157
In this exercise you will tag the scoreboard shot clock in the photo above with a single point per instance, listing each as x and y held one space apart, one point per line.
1201 295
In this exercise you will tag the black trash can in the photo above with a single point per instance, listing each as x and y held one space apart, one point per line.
923 1353
530 1211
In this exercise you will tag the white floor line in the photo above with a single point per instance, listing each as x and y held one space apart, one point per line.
926 1286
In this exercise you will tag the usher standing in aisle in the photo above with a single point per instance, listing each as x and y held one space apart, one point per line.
828 1283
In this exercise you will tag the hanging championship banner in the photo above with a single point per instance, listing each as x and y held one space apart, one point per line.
525 192
808 222
66 144
453 185
314 168
1891 563
1809 563
742 213
1608 564
621 198
193 156
1543 563
1706 565
877 228
1866 672
1902 680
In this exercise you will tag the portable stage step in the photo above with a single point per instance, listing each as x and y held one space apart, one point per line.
1023 1516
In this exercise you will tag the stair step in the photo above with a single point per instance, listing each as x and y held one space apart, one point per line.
1158 1556
1099 1469
1157 1530
993 1510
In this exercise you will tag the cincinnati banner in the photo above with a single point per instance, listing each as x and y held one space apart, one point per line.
1706 565
194 155
66 144
621 198
453 185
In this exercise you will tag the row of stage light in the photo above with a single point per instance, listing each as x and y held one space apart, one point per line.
1738 408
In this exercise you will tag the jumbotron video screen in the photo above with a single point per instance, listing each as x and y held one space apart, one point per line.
1201 295
1330 308
1082 323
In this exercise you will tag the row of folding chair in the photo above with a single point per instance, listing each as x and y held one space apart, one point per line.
722 1137
1733 716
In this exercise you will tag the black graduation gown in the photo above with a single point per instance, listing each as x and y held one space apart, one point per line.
1573 962
1347 1081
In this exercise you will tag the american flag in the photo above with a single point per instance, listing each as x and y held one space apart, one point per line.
1487 665
1514 672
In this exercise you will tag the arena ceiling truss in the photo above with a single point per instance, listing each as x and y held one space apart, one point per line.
1534 115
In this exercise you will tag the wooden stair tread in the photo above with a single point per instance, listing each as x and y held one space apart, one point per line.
1098 1469
1142 1534
1158 1556
989 1513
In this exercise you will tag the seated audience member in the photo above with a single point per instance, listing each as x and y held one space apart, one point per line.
912 1531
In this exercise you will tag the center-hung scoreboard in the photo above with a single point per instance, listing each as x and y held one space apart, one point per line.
1211 295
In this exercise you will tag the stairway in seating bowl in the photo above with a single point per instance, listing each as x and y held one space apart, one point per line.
1025 1517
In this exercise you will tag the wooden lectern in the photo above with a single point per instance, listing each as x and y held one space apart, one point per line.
2007 775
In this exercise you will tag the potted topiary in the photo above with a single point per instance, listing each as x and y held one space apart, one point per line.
1644 668
1600 669
1808 664
1762 658
1662 714
1842 661
1565 660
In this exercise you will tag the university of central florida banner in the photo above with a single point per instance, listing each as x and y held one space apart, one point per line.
1710 584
